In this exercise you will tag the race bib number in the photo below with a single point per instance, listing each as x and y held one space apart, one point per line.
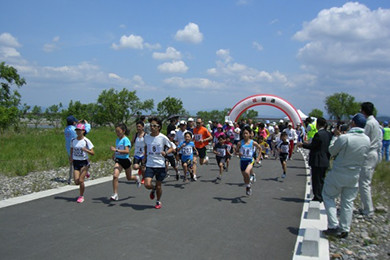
154 150
246 152
198 137
221 152
187 150
77 152
139 151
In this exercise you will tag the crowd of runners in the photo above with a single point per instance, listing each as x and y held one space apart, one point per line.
183 150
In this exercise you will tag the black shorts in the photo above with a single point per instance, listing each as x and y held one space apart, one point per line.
125 163
220 159
137 160
160 173
283 157
202 152
171 160
78 164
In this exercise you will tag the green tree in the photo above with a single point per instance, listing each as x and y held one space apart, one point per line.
9 100
170 106
249 114
341 105
213 115
115 107
316 113
35 116
53 115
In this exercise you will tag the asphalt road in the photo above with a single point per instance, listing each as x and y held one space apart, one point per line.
198 220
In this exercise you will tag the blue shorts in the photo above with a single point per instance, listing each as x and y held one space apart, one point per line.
78 164
245 163
160 173
138 160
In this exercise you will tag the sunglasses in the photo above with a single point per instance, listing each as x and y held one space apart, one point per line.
154 125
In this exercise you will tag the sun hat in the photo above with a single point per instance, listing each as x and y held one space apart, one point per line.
80 127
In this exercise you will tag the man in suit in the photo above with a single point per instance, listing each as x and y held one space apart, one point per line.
318 157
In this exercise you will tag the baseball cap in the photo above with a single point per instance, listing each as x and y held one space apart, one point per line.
359 119
190 119
182 122
173 132
70 120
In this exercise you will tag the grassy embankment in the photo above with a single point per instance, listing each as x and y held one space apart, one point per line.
43 149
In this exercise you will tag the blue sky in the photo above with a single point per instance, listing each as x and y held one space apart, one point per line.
209 54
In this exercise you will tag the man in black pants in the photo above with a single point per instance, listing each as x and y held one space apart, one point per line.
318 157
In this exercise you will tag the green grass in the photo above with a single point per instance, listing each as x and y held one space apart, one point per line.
43 149
381 184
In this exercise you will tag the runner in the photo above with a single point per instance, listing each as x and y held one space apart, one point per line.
291 138
179 138
187 149
80 148
283 148
155 159
139 149
221 151
202 137
245 150
170 157
229 155
121 158
70 134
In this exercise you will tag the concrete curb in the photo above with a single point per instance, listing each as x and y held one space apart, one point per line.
46 193
311 244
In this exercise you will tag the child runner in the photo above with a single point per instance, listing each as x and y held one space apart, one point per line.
283 148
275 141
139 149
187 148
155 159
80 148
230 149
245 150
221 151
170 157
264 147
121 158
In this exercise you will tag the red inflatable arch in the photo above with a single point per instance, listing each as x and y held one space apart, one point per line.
267 100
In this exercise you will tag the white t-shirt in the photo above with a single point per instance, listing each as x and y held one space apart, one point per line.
139 146
179 138
77 145
154 146
237 134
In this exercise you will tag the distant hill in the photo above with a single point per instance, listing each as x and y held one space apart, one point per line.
383 118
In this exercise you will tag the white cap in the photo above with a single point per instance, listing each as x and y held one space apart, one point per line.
281 121
173 132
182 122
190 119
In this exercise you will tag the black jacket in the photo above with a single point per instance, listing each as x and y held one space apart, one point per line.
319 149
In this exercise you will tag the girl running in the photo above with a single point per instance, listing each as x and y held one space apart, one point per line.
80 148
245 151
230 149
121 158
139 149
170 157
283 148
187 148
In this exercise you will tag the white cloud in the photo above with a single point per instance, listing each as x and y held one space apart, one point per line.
49 47
190 34
173 67
224 54
257 46
132 41
113 76
8 40
8 52
351 35
193 83
170 53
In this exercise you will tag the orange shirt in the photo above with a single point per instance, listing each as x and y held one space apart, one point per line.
201 134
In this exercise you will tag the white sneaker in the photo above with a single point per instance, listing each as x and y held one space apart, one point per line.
114 197
206 160
138 181
194 178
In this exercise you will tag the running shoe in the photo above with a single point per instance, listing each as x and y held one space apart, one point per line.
158 205
218 179
177 176
142 181
248 191
194 178
87 175
80 199
254 177
114 197
151 196
207 160
138 182
283 175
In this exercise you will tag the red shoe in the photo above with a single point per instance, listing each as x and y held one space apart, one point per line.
151 196
142 181
139 172
158 205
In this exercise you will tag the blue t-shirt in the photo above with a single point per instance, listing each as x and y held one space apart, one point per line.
121 144
70 134
187 152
